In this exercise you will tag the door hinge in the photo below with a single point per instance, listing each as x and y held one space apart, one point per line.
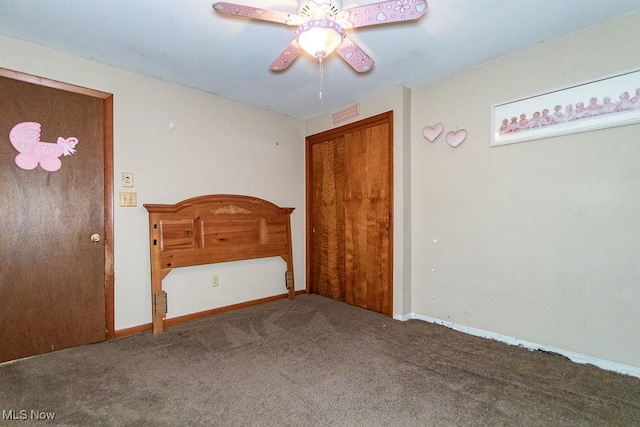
160 303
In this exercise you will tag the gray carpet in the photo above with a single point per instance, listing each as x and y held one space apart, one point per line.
312 362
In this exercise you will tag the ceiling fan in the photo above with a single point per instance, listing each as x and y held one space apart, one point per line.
321 26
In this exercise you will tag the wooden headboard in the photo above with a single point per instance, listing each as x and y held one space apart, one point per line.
210 229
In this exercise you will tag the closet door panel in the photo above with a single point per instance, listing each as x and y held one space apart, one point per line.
367 192
349 208
327 234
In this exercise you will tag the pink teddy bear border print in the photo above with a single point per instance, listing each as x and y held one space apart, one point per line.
25 137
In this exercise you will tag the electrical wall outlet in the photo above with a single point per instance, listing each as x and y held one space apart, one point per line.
215 281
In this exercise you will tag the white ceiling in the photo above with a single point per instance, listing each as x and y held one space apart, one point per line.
186 42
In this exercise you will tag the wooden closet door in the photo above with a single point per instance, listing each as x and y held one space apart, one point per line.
349 214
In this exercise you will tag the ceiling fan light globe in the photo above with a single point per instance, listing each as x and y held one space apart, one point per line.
319 37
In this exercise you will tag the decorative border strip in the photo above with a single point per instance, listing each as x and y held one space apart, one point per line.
601 103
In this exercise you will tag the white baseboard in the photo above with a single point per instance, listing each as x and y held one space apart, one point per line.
575 357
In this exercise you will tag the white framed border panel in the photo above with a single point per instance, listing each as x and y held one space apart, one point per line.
598 104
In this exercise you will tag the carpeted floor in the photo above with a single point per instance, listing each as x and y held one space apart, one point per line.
311 362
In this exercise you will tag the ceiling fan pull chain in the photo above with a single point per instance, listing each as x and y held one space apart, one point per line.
320 93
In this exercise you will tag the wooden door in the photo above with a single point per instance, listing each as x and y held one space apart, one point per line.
55 282
349 203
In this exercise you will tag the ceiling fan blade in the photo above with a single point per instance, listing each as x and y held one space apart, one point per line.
350 52
286 58
257 13
383 13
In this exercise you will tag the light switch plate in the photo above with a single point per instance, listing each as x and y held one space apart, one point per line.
128 200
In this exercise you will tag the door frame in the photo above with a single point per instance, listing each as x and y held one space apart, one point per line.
107 103
382 118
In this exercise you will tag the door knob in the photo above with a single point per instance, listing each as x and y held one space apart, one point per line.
96 237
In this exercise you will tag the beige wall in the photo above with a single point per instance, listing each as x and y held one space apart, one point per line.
216 146
537 241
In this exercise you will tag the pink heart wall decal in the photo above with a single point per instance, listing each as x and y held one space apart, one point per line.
456 138
433 132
